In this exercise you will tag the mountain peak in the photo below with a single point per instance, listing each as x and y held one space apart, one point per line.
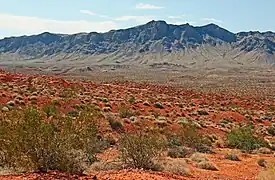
152 37
157 22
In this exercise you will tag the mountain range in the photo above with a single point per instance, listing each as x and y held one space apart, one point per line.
153 44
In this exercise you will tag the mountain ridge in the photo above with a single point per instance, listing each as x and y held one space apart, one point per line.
123 46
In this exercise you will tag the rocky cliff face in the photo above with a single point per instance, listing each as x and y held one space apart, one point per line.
152 38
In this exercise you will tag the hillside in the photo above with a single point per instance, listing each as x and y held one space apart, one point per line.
152 44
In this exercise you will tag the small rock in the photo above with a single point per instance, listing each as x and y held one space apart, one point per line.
108 105
11 103
202 113
262 162
196 124
19 98
106 109
133 118
146 103
161 123
159 105
32 98
5 109
162 118
264 150
268 118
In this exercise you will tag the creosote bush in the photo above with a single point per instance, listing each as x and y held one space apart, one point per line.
132 100
243 138
116 125
125 113
50 110
30 142
189 136
159 105
141 150
271 130
232 157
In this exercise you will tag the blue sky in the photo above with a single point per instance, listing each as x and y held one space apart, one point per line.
20 17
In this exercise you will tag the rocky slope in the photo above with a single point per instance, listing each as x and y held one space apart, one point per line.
153 43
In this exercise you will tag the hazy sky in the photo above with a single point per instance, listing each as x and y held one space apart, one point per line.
19 17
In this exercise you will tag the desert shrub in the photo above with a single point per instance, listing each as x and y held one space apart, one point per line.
198 157
271 130
190 137
180 152
132 99
140 151
159 105
29 142
175 166
116 125
73 113
203 113
174 140
207 165
181 105
156 114
125 113
105 166
243 138
68 93
50 110
232 157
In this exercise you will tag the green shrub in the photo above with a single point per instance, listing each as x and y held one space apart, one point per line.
116 125
132 100
174 140
189 137
50 110
64 144
192 138
271 130
140 151
243 138
180 152
232 157
125 113
159 105
68 93
73 113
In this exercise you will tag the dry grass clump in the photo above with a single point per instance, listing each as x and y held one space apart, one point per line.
232 157
207 165
140 150
105 166
202 162
175 166
198 157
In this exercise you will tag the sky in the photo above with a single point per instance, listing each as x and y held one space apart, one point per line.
26 17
